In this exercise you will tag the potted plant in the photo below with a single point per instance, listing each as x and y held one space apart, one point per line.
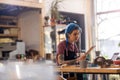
55 11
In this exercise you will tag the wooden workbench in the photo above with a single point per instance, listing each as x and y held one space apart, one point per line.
89 70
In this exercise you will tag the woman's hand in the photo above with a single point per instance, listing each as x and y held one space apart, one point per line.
82 57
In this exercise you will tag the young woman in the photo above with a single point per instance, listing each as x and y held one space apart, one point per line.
67 50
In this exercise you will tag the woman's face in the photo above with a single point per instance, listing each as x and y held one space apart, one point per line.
74 36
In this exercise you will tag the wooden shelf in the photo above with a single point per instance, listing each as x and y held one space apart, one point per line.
8 35
8 26
8 17
8 30
22 3
21 7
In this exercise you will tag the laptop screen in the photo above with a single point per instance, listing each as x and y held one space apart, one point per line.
115 55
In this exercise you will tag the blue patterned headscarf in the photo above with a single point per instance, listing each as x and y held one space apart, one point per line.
70 27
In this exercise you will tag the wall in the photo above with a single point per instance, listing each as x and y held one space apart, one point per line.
77 6
30 29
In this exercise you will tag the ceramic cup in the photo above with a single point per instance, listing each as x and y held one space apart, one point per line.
83 64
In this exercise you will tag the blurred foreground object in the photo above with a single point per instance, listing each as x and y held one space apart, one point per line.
12 70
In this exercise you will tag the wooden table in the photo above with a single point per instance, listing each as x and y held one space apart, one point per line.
90 70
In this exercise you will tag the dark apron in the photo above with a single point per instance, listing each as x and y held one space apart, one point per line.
71 55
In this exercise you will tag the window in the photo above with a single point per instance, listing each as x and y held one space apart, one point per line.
108 17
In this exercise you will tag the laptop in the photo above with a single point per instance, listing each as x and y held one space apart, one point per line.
115 56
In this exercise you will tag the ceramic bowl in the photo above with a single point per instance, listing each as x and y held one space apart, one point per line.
117 62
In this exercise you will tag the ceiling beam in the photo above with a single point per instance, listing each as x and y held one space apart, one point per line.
22 3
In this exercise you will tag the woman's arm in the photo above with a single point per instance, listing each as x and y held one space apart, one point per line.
62 61
83 56
70 62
